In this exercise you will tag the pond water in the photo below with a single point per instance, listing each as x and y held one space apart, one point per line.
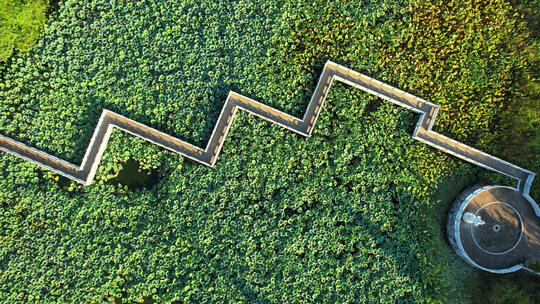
133 176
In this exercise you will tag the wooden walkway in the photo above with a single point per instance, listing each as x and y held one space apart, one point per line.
85 172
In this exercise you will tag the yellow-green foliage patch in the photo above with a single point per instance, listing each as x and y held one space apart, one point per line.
21 22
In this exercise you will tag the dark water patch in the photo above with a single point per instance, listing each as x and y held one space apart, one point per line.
133 176
63 181
372 106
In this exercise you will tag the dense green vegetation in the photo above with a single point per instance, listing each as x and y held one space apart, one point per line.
507 289
21 22
353 214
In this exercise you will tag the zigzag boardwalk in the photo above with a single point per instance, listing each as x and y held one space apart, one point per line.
208 156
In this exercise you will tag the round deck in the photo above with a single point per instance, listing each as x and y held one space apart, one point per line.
494 228
502 228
